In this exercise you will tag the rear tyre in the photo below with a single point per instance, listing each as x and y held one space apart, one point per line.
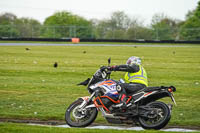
80 118
158 121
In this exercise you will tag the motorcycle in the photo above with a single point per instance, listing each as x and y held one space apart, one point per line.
142 106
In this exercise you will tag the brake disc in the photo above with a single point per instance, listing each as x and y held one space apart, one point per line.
77 114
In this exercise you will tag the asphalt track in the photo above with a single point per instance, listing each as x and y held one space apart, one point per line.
122 45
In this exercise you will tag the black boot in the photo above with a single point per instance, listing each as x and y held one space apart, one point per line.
122 104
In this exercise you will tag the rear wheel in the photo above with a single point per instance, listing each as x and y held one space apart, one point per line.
158 118
76 117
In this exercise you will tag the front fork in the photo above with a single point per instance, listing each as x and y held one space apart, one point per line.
86 100
82 109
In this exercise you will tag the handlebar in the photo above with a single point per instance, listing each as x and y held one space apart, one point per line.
108 74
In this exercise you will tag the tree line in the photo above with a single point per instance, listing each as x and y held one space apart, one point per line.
119 25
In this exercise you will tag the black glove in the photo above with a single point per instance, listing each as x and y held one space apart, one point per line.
103 68
112 68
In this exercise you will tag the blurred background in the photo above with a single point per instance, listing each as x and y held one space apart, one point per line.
118 25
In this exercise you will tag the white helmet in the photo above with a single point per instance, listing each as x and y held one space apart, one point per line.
134 60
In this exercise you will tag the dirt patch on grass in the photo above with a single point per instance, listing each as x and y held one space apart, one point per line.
35 121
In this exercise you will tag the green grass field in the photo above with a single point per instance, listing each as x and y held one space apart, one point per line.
31 88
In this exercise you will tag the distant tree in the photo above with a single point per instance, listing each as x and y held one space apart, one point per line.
28 27
164 27
190 30
121 26
115 27
7 25
190 14
11 26
7 18
65 24
120 23
119 20
139 32
104 29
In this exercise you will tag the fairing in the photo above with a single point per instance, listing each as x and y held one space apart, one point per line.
108 87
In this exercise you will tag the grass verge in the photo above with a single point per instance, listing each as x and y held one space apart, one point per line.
22 128
31 88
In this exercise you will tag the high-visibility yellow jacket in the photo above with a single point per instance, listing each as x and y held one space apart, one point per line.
137 77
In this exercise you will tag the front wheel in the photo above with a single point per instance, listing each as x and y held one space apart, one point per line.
80 118
158 118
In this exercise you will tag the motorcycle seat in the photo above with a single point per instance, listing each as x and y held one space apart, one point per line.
148 89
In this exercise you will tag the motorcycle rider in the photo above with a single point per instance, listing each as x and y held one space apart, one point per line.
135 79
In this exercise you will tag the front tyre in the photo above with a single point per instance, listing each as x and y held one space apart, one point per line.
80 118
158 119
